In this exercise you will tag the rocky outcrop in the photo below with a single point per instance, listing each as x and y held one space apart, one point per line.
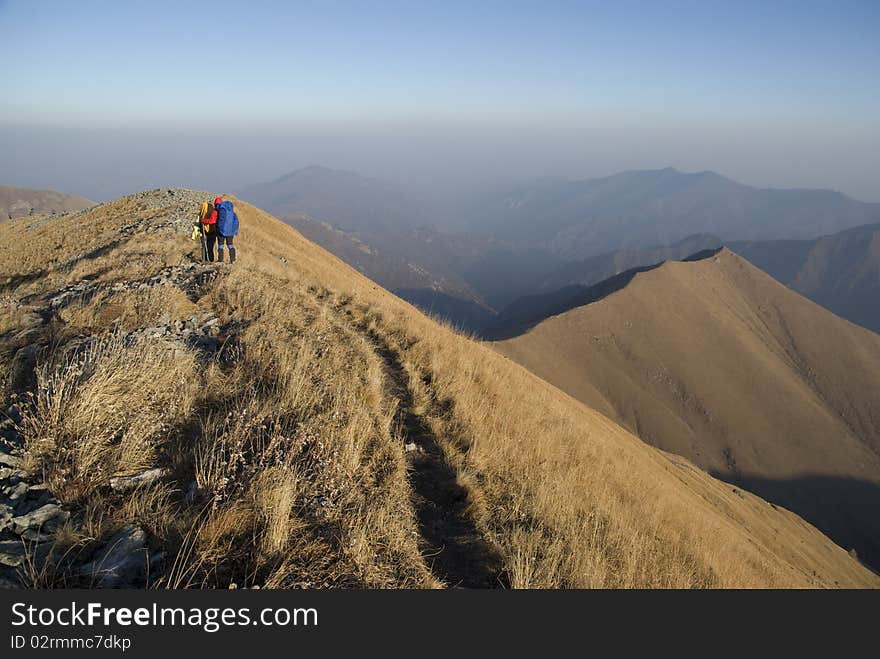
29 515
30 519
124 484
122 561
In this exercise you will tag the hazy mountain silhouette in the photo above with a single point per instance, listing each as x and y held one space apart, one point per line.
596 268
841 271
349 201
17 202
637 209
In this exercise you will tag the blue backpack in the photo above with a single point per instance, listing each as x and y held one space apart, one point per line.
227 220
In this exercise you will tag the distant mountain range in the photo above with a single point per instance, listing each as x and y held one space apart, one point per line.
716 361
17 202
542 237
841 272
637 209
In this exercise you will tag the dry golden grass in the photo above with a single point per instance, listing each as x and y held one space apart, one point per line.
294 435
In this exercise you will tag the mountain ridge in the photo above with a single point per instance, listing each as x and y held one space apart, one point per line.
715 360
286 422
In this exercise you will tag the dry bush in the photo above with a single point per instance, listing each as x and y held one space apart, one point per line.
105 409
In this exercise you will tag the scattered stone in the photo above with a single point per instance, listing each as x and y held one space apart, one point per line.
11 474
129 483
12 552
6 515
32 502
23 369
37 536
193 492
412 446
50 514
13 412
9 460
9 583
12 437
121 561
14 492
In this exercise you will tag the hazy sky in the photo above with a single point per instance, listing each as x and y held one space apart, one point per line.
103 98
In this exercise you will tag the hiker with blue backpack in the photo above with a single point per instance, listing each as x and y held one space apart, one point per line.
223 223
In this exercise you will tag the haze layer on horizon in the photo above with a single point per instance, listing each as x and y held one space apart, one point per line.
104 98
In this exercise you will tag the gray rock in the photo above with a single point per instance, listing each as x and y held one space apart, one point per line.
12 437
10 474
37 536
121 561
10 582
6 515
12 557
193 493
50 514
14 552
9 460
129 483
14 492
32 501
13 414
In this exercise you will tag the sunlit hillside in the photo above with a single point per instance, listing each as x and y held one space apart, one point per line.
285 422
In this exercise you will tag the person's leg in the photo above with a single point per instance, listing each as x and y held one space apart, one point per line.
231 248
220 247
212 238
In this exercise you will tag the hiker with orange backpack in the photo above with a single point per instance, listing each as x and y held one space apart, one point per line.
226 228
206 226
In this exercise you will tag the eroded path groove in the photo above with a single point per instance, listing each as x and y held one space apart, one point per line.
453 547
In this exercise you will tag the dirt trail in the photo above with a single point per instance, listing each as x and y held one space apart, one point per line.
453 547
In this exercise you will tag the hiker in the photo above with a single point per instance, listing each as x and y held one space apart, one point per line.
207 228
227 228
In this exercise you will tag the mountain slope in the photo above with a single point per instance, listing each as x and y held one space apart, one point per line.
285 422
438 292
716 361
636 209
15 202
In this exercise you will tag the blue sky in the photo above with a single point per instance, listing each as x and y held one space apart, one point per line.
704 85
